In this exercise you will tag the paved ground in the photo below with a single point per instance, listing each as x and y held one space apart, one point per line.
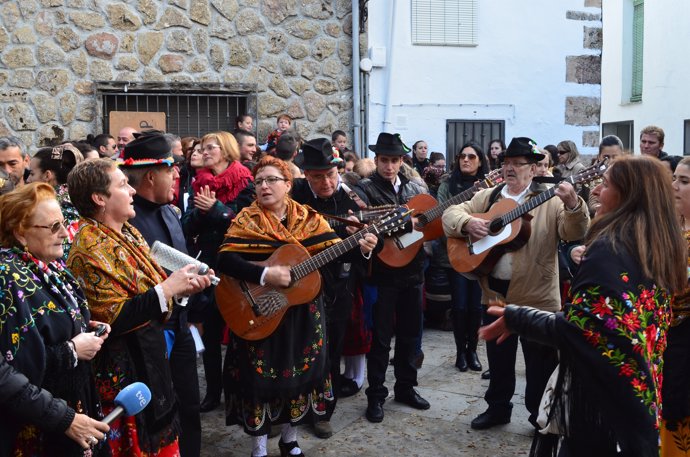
444 430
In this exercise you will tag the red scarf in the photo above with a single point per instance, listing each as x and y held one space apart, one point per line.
227 185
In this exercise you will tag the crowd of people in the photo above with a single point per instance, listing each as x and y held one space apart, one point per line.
594 288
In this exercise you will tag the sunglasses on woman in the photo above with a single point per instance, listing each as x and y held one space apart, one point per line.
55 226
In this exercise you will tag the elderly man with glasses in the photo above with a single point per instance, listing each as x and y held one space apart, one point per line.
526 276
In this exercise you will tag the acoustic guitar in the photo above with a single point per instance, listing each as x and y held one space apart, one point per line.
400 249
253 311
509 229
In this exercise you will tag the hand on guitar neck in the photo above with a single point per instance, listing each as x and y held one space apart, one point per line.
566 192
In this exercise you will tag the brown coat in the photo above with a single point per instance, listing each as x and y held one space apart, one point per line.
535 266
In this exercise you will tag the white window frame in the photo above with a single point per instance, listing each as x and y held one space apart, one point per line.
445 22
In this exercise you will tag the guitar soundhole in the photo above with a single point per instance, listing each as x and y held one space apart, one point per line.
270 303
496 226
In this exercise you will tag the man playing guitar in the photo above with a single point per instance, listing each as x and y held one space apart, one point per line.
398 308
322 191
527 276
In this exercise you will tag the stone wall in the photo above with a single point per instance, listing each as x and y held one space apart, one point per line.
585 69
297 52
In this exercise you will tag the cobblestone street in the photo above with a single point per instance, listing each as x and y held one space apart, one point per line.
444 430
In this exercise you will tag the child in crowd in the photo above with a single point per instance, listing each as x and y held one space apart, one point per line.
339 141
284 122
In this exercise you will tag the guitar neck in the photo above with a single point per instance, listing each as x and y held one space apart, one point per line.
302 269
437 211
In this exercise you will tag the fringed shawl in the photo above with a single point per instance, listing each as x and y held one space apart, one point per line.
112 267
614 336
256 231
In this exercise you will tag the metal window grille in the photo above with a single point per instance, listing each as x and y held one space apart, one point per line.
191 109
459 132
444 22
638 50
623 130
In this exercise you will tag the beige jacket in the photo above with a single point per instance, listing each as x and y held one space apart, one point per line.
535 266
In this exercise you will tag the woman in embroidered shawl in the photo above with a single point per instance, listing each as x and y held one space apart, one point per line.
675 433
612 333
282 379
52 165
131 292
220 190
45 326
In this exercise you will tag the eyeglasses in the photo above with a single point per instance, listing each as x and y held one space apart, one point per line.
561 152
271 180
55 226
210 147
468 156
515 164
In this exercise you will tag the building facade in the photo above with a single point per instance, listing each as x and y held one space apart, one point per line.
447 71
644 76
66 64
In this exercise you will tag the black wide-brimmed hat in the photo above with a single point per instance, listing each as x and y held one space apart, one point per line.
147 149
318 154
389 144
522 146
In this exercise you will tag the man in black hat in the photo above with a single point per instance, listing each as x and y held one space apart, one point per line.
322 190
398 307
527 276
149 166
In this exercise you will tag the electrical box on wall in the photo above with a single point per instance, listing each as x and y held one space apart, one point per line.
377 54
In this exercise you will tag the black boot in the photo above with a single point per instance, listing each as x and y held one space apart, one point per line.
460 334
473 322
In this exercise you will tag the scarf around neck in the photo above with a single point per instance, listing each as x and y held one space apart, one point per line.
256 230
112 267
227 184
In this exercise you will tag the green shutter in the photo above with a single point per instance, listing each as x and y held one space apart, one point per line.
638 48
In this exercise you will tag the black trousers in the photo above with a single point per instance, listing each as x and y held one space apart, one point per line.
186 386
540 361
213 361
397 311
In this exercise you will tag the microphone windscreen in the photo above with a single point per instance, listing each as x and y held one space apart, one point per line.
133 398
172 260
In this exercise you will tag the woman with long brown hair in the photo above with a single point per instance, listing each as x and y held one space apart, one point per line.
612 333
676 388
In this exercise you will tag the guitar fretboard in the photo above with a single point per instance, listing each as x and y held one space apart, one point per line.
302 269
437 211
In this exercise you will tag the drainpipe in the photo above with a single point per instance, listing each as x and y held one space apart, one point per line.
357 143
387 124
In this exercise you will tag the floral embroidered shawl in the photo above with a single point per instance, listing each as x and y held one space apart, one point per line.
112 267
614 336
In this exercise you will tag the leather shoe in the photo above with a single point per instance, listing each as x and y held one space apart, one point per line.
413 399
486 374
461 362
473 361
209 404
348 387
375 411
487 420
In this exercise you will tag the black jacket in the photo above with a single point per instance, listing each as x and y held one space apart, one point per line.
381 192
339 281
24 401
161 223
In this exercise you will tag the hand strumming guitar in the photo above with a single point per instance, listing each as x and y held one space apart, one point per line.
477 228
278 275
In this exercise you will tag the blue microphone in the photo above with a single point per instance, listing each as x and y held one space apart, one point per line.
130 401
